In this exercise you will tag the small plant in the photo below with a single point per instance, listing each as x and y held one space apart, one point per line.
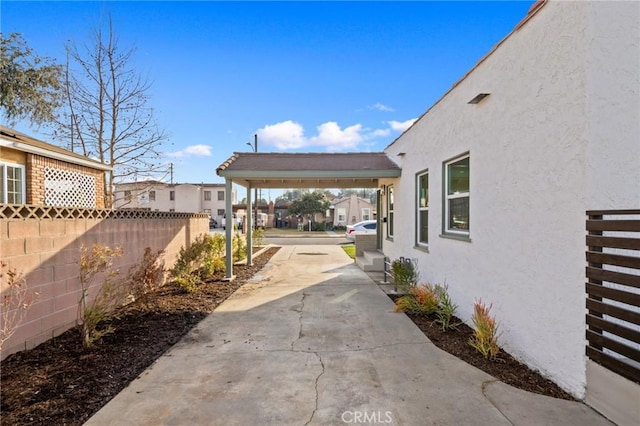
239 247
405 273
421 300
148 275
446 308
16 301
111 294
257 237
485 335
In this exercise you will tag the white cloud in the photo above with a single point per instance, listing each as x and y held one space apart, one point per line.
192 151
381 107
335 139
284 135
401 126
290 135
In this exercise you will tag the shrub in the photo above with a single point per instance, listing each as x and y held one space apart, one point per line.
148 275
446 308
485 335
421 300
405 273
16 301
203 258
110 295
257 237
239 246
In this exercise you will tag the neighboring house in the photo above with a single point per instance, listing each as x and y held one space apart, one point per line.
350 210
38 173
185 197
497 176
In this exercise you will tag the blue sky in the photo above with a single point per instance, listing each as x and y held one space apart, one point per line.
304 76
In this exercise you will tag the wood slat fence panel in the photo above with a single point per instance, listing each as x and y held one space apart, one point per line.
612 288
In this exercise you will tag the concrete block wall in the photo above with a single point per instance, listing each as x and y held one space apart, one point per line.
365 242
47 252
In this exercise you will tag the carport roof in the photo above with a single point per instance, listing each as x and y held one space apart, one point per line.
308 170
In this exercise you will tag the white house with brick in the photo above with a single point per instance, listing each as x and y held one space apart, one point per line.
498 174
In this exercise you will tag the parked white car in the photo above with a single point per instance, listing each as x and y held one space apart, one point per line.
364 227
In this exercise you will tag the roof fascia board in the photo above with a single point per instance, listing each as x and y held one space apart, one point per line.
53 154
309 174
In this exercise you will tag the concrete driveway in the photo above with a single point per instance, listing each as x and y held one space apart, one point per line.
312 340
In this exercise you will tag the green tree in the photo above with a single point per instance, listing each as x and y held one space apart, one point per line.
309 203
30 86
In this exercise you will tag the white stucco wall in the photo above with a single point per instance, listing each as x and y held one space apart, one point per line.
546 145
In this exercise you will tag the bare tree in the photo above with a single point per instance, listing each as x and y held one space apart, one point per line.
106 115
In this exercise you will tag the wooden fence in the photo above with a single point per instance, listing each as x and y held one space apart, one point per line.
613 290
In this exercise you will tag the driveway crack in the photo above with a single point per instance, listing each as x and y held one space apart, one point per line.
301 312
484 387
315 409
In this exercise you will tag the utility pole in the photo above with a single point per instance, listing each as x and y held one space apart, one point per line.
171 172
254 146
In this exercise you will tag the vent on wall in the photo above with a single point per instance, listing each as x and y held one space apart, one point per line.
479 97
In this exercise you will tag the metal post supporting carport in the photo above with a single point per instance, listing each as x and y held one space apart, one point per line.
228 226
249 232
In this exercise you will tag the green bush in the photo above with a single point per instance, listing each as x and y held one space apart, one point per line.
203 258
257 237
239 247
405 273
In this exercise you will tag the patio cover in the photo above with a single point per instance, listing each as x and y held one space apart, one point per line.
308 170
298 170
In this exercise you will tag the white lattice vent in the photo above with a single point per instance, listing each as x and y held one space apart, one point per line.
65 188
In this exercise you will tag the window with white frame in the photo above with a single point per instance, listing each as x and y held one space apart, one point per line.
127 195
422 208
152 195
172 195
220 195
207 195
366 213
220 212
390 212
342 214
456 206
12 184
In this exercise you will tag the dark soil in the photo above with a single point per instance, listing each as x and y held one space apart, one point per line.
504 367
62 383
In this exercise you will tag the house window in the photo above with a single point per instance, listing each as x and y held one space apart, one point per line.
457 195
172 195
152 195
208 211
342 214
366 214
12 185
207 195
422 207
220 195
127 195
390 212
220 212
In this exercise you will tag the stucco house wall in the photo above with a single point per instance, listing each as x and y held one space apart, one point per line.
353 206
557 135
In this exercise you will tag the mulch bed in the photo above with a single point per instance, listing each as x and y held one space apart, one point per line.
504 367
62 383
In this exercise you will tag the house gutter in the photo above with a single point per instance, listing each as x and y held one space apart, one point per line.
55 155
